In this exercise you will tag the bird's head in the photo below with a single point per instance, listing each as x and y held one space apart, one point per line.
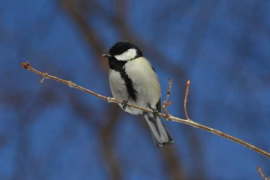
123 51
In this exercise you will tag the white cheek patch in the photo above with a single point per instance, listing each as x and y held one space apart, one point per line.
126 56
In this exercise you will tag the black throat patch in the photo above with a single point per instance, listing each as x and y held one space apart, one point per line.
119 66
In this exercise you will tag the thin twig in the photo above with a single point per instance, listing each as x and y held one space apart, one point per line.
186 98
171 118
261 173
166 103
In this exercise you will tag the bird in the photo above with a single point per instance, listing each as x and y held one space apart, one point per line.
133 80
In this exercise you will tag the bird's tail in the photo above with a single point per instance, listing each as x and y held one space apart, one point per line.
160 134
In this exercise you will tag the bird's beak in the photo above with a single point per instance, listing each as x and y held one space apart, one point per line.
107 55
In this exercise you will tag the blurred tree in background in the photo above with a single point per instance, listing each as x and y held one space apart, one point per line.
49 131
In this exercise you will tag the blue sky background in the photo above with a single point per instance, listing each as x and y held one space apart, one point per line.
50 131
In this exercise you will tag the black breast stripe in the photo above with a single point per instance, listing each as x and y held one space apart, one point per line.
119 66
129 84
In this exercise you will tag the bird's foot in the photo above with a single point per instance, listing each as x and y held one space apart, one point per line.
155 112
124 104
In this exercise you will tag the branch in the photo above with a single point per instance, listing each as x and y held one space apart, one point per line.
261 173
166 103
166 116
185 101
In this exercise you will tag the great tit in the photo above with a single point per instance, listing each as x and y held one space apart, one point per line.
133 79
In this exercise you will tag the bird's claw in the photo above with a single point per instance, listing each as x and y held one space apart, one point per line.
155 113
124 104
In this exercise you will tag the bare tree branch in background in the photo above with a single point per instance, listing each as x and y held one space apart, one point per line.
76 13
106 134
24 159
168 116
